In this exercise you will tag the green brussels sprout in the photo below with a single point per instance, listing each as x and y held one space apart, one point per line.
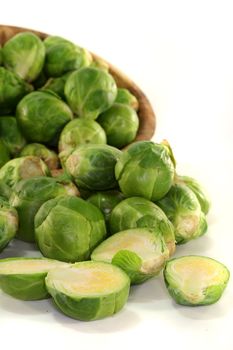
146 170
79 132
63 56
27 197
106 201
197 189
36 149
56 85
22 168
90 91
8 223
183 209
5 191
24 54
24 278
42 116
92 166
120 123
124 96
195 280
137 212
11 135
4 154
12 89
81 228
100 63
140 252
88 290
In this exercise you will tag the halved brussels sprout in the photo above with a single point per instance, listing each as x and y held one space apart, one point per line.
8 223
106 201
24 278
88 290
90 91
120 123
195 280
22 168
92 166
56 85
198 191
4 154
5 190
146 170
81 228
79 132
24 54
42 116
140 252
140 212
63 56
11 135
27 197
183 209
12 89
48 156
124 96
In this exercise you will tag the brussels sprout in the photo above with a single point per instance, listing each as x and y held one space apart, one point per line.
79 132
120 123
42 116
56 85
24 278
4 154
81 228
88 290
63 178
90 91
145 170
140 212
24 54
5 190
124 96
11 135
106 201
195 280
100 63
12 89
63 56
8 223
27 197
22 168
197 189
36 149
140 252
183 209
92 166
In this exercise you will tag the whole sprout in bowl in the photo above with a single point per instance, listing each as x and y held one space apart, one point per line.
63 56
42 116
146 170
22 168
120 123
92 166
90 91
81 228
126 97
24 54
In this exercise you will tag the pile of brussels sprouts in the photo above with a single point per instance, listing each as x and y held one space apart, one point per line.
102 217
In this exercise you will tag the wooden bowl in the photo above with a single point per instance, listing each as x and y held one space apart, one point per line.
147 119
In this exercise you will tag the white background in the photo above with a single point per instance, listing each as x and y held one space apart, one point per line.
181 54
